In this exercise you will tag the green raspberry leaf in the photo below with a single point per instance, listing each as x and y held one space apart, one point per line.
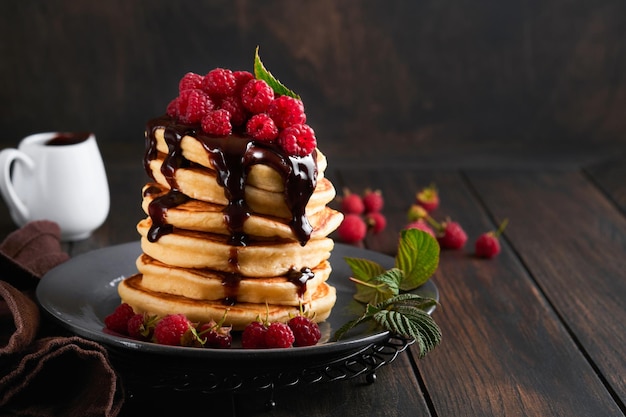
261 73
418 257
364 269
382 287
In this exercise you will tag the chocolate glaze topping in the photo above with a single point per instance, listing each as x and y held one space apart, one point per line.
232 157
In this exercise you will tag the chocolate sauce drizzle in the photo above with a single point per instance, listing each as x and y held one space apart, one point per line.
232 157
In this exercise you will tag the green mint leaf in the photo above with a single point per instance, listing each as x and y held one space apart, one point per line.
261 73
418 257
364 269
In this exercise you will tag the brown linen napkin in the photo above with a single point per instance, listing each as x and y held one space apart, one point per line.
51 376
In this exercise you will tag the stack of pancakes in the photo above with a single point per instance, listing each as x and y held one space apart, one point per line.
233 226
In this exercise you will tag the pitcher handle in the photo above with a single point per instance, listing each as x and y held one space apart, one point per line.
18 209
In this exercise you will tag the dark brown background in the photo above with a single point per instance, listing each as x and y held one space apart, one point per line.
427 83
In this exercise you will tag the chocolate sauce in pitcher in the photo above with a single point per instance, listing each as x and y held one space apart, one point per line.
232 158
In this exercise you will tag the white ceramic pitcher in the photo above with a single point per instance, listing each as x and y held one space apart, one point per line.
59 177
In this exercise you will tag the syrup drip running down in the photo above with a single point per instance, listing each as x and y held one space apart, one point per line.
232 157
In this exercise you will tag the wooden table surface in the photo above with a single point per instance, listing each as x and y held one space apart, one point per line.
537 331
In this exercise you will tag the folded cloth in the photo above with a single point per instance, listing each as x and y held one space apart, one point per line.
46 376
30 252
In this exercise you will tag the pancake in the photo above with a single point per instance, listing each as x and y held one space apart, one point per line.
261 176
208 217
132 291
201 184
206 284
189 249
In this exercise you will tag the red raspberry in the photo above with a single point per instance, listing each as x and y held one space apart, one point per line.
297 140
141 326
219 83
487 245
305 331
256 96
279 335
175 330
190 81
196 105
253 336
215 335
262 127
373 201
241 79
376 221
217 122
238 114
352 203
117 321
352 229
428 198
452 235
286 111
420 224
172 108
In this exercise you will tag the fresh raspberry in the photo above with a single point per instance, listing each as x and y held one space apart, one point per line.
373 201
219 83
279 335
141 326
262 127
253 336
197 104
241 79
215 335
286 111
352 229
451 236
172 108
297 140
487 245
175 330
217 122
256 96
305 331
190 81
117 321
420 224
351 203
416 212
238 114
376 221
428 198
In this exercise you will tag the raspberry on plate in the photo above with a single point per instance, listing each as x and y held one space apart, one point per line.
297 140
196 105
117 321
253 336
279 335
305 331
175 330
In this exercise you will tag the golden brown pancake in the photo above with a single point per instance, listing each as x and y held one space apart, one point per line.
187 249
206 284
208 217
142 300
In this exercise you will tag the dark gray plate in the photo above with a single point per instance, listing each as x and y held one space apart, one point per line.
82 291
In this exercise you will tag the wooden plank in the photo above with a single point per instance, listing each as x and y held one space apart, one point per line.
573 242
505 351
610 176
